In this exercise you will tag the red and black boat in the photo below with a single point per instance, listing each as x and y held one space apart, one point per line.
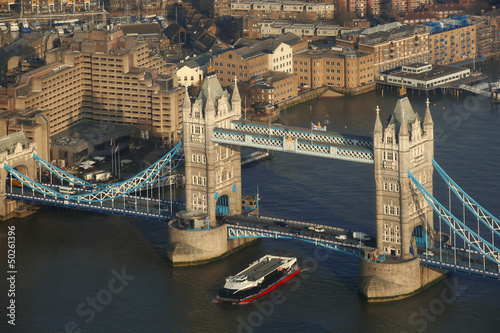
259 278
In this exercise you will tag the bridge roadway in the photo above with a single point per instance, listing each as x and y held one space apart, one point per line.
270 227
449 258
277 137
127 205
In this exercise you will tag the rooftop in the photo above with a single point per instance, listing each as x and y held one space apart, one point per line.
436 72
8 143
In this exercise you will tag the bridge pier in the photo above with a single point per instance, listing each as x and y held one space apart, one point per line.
395 279
194 247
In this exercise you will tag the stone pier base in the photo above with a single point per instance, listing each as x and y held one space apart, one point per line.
395 279
195 247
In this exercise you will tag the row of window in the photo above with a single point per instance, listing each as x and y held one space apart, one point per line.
393 187
391 210
198 180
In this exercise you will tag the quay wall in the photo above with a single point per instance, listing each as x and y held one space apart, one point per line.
195 247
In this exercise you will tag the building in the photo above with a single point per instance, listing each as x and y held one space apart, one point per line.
451 40
105 78
59 6
425 76
445 10
281 10
407 6
34 126
333 67
251 57
362 8
486 36
29 47
191 72
271 87
6 4
418 17
395 46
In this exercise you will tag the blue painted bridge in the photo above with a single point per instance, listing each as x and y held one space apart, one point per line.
474 252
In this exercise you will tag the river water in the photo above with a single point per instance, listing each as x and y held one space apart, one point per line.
81 272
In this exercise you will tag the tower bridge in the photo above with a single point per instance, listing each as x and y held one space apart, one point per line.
409 251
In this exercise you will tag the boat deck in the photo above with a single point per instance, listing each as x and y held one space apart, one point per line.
260 269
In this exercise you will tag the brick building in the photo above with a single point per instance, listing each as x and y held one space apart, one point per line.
451 40
335 67
395 46
251 57
270 87
104 78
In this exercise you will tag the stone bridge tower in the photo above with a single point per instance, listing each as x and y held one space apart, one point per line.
213 171
17 152
403 216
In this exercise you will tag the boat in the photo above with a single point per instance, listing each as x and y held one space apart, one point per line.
3 27
258 279
35 26
13 26
25 27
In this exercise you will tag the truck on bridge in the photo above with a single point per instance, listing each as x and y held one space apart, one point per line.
361 236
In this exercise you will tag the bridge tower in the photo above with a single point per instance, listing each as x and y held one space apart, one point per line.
213 171
403 217
16 151
213 178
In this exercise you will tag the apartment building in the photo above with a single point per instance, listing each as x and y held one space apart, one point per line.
271 87
445 10
486 36
395 45
6 4
362 7
407 6
337 67
451 40
59 6
104 78
279 10
251 57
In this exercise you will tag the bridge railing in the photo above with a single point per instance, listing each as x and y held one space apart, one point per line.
307 224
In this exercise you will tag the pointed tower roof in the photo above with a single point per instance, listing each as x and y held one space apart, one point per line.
211 84
403 110
187 100
236 93
404 125
210 102
378 123
428 117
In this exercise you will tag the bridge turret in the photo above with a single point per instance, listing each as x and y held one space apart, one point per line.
236 99
187 101
428 122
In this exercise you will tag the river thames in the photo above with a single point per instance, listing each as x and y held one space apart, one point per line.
81 272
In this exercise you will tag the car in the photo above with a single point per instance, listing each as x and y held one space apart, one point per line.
296 230
316 229
341 237
428 253
281 224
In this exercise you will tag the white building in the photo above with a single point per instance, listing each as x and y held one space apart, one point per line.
425 76
280 59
